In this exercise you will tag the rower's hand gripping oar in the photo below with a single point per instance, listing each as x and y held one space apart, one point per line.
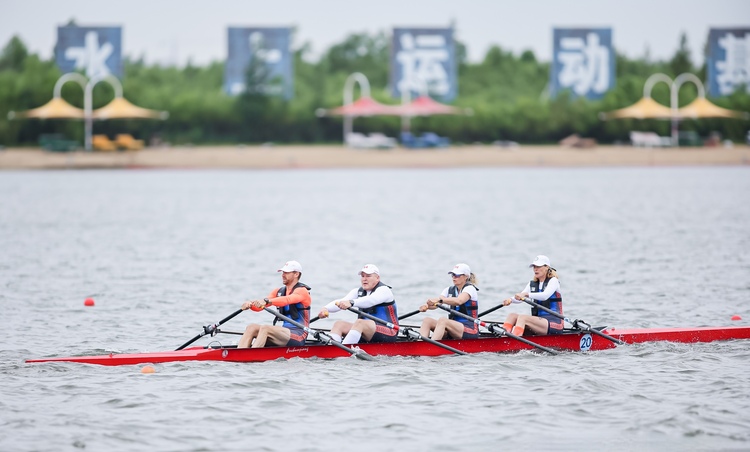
328 340
498 330
211 329
409 332
577 324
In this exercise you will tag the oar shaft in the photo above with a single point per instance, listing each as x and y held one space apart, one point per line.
409 332
409 314
329 340
492 328
361 313
461 314
482 314
208 329
575 323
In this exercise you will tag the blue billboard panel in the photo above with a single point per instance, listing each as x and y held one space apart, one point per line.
95 50
424 59
266 52
583 61
728 60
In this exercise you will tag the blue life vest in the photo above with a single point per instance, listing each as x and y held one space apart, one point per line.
470 308
297 311
554 302
382 310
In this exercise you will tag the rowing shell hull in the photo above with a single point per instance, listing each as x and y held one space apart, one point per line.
568 342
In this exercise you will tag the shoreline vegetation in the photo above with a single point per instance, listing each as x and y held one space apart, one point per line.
507 92
331 156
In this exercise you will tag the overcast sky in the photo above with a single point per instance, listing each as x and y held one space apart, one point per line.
169 31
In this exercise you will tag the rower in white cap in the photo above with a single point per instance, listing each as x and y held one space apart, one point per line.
293 300
374 298
462 297
544 289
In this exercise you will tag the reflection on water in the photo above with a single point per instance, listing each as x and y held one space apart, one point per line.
164 252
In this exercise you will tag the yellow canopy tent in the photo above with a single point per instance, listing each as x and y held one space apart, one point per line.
57 108
646 108
702 108
120 108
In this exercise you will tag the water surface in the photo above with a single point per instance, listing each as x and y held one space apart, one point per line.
164 252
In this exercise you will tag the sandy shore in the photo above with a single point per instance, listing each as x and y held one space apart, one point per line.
277 157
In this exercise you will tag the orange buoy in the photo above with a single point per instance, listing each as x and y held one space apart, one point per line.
736 317
148 370
88 302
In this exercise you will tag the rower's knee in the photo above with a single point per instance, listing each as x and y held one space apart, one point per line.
251 329
338 327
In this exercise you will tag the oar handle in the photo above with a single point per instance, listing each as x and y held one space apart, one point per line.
576 323
210 329
318 334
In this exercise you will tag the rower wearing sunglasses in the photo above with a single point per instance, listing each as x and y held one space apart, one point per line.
462 297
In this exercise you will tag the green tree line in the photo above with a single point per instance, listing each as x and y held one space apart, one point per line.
506 92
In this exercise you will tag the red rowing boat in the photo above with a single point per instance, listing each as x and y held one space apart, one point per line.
570 341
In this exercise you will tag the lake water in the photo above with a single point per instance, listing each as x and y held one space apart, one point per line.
165 252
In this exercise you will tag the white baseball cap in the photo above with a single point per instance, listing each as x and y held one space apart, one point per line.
540 261
461 269
291 266
369 269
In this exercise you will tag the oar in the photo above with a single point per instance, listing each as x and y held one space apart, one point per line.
409 314
482 314
576 323
210 329
494 329
409 332
361 354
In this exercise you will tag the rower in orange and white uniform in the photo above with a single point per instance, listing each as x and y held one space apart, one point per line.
374 298
544 289
462 297
293 300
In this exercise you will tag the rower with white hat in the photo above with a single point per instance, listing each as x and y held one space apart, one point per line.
374 298
293 300
544 289
461 297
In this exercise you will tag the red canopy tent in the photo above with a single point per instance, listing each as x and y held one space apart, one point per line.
424 105
364 106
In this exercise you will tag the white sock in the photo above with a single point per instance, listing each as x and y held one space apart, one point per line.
352 337
335 337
